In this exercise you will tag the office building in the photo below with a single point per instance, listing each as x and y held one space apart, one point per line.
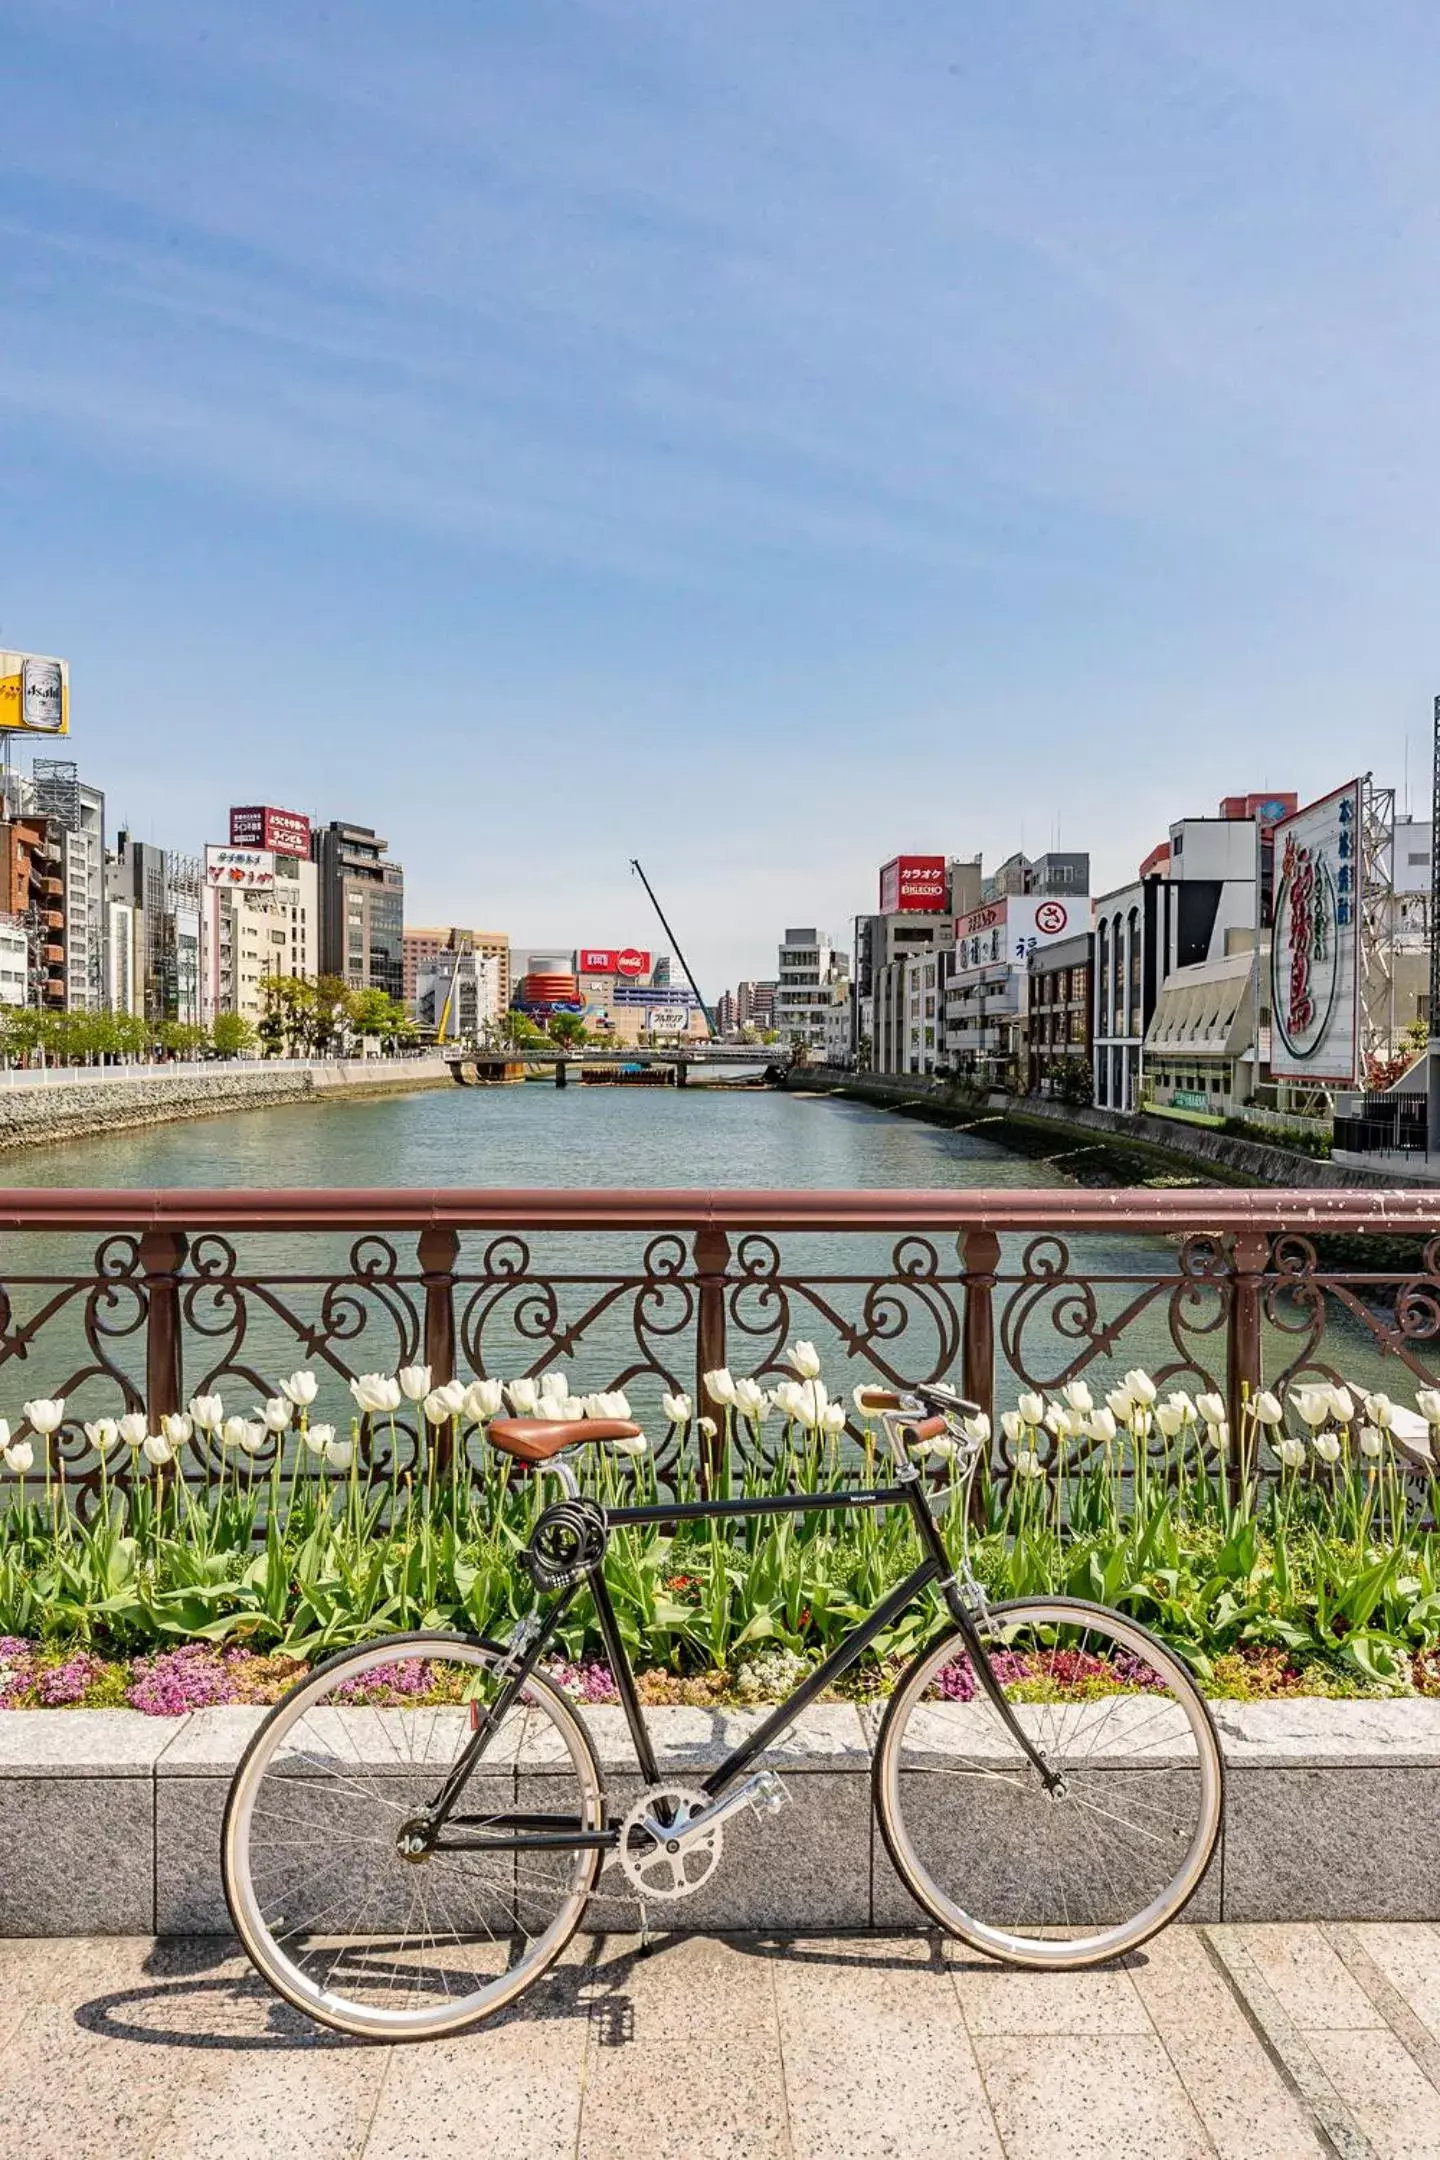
77 813
755 1005
809 969
261 914
362 908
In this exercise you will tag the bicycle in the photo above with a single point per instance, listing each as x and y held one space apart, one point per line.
401 1871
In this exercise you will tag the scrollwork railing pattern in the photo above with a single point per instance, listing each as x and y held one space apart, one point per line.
1215 1292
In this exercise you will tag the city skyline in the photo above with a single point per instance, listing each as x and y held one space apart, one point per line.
706 417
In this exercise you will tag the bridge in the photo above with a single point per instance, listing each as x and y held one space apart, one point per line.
474 1067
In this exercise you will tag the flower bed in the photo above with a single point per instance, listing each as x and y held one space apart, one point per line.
289 1537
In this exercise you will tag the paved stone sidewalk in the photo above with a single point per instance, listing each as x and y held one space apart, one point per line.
1250 2043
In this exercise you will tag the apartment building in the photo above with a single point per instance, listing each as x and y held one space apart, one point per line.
808 971
362 908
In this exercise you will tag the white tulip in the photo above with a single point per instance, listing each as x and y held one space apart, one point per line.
636 1444
318 1438
1119 1402
1170 1420
208 1412
276 1414
1219 1436
102 1435
976 1428
484 1399
1028 1464
46 1416
561 1409
833 1418
524 1397
1267 1408
339 1454
1102 1425
414 1382
1381 1411
1211 1408
707 1427
1291 1453
720 1387
1372 1441
751 1399
1057 1420
677 1408
1180 1402
1141 1387
803 1358
157 1449
789 1397
942 1446
1342 1402
617 1403
177 1429
554 1383
1031 1408
1327 1447
1012 1425
133 1428
19 1457
445 1402
300 1389
232 1432
376 1392
1313 1405
1427 1402
254 1435
1078 1397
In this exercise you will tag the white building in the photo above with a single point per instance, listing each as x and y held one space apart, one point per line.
987 994
809 970
58 792
14 962
122 958
469 982
255 930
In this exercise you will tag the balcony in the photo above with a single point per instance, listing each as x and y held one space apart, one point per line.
181 1291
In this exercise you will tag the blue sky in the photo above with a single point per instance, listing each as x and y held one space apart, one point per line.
757 437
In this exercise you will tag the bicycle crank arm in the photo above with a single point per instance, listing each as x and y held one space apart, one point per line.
763 1792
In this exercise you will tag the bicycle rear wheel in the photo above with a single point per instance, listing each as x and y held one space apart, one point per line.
332 1911
1062 1878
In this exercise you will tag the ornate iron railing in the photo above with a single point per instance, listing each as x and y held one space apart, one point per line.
190 1290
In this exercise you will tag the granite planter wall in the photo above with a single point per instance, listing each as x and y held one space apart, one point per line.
110 1821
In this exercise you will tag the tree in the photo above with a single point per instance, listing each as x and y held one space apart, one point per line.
569 1029
232 1034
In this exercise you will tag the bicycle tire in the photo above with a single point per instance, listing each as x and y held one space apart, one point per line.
1166 1770
371 1756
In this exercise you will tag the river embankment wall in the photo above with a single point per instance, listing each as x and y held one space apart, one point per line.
1067 1134
39 1109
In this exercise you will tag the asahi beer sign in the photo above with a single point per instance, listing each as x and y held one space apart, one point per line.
235 869
34 694
1315 948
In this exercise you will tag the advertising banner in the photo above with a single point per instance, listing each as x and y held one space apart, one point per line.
913 885
1315 944
1007 931
233 869
34 694
667 1020
626 961
282 832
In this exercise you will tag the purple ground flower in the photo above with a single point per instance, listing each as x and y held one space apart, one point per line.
191 1678
589 1682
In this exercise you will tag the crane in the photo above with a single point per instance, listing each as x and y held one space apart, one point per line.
675 942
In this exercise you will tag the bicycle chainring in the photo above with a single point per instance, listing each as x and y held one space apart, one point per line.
655 1872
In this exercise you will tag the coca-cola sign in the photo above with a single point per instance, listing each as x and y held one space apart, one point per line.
624 960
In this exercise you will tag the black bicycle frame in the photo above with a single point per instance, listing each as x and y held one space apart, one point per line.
530 1833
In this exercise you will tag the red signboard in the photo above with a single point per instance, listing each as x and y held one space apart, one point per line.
913 885
625 960
284 832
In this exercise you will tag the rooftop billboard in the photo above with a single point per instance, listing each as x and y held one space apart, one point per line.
626 961
233 869
34 694
913 885
284 832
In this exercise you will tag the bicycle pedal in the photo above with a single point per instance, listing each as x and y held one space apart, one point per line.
769 1794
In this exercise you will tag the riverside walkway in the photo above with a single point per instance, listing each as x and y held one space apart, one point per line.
1221 2043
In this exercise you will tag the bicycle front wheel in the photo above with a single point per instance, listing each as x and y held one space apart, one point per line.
329 1896
1062 1875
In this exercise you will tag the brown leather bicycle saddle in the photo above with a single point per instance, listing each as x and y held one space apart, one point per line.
536 1439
